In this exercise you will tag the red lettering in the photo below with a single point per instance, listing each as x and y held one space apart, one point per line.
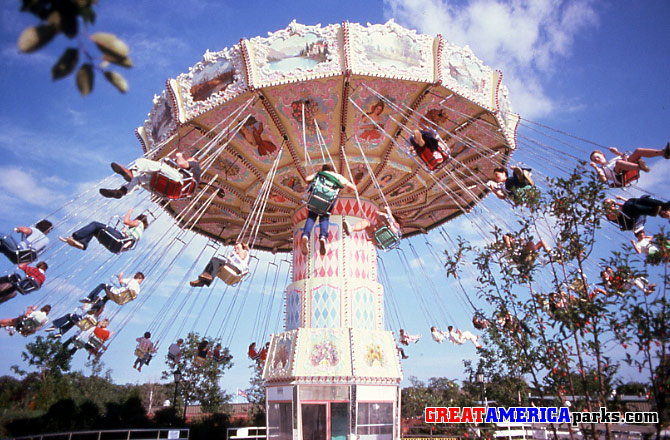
442 416
466 416
429 415
479 414
453 415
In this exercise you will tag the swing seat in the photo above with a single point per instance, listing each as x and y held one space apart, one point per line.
386 239
122 297
139 353
94 342
166 186
27 285
20 255
200 361
428 158
111 242
87 322
322 195
232 272
28 326
626 178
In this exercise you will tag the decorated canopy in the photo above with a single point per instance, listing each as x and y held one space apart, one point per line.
348 92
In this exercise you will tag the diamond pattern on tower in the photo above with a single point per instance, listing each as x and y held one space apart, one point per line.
293 306
327 265
299 260
363 306
325 307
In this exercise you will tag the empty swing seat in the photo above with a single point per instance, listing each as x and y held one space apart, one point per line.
87 322
322 194
386 239
165 185
121 297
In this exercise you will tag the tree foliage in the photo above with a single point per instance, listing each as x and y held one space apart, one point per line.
67 17
550 323
200 382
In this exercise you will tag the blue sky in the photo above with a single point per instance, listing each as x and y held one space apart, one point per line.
597 70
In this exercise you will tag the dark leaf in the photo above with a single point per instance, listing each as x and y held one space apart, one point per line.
66 63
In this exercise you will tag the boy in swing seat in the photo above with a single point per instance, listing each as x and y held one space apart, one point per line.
382 218
613 171
327 172
503 184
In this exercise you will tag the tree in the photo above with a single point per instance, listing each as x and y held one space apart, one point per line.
641 326
200 382
256 395
548 324
63 17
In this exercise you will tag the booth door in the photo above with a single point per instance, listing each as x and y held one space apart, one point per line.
325 421
314 426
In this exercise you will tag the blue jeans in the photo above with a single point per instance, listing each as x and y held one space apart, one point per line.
93 229
323 224
10 248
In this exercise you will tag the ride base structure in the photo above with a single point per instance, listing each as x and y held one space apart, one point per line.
334 372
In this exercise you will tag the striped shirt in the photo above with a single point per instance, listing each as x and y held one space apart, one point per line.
33 272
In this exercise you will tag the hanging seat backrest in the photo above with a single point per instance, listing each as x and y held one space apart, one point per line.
200 361
27 285
29 325
386 239
87 322
121 297
111 242
233 270
94 342
626 178
322 194
166 186
20 255
140 353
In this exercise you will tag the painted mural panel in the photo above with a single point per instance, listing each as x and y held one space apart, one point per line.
323 352
374 354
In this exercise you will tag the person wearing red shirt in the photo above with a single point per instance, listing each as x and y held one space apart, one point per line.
9 284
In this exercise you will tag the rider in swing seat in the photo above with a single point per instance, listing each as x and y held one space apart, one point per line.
143 170
109 236
328 174
237 262
381 219
11 284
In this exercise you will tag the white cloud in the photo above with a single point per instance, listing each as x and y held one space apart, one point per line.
24 185
526 40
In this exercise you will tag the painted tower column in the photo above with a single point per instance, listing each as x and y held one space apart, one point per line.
334 372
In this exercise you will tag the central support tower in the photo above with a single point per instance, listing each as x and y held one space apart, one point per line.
334 372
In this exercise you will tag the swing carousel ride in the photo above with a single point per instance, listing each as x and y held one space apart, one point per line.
268 112
261 117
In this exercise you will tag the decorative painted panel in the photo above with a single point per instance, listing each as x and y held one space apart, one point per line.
374 354
391 50
323 352
296 53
